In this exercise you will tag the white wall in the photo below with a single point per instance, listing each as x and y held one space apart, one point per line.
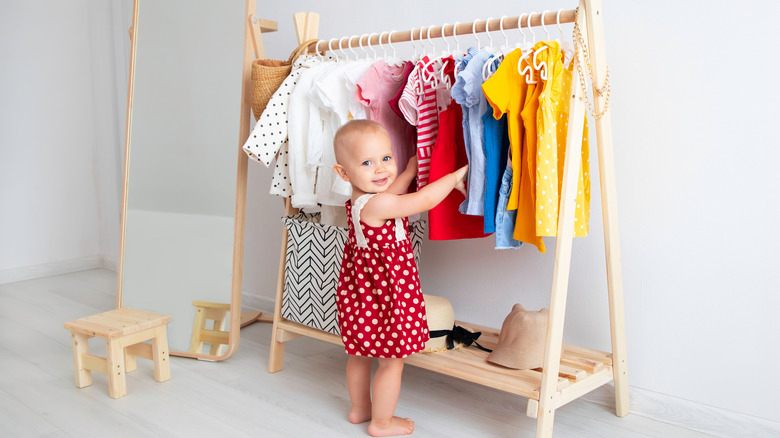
693 105
48 190
61 134
693 101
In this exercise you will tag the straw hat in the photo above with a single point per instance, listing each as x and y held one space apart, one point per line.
522 338
440 316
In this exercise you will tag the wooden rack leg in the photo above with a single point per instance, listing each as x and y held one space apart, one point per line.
278 337
594 17
549 395
306 28
276 359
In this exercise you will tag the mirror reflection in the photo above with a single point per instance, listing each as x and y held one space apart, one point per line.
180 200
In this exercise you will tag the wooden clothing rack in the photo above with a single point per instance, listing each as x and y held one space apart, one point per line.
567 373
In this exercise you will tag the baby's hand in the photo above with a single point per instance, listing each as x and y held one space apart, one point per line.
460 174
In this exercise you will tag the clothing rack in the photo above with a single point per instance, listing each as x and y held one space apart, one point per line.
478 26
568 372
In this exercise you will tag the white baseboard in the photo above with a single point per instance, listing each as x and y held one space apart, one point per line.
109 263
687 414
53 268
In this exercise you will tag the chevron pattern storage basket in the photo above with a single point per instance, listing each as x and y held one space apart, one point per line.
312 264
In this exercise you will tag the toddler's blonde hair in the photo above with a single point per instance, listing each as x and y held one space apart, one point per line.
346 134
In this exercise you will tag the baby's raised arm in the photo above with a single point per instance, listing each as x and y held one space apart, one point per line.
402 181
389 205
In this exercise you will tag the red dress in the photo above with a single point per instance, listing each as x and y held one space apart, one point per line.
449 155
381 311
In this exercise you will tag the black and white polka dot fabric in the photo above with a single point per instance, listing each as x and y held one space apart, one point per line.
268 139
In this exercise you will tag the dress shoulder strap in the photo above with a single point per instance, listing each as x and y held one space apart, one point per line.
360 238
360 202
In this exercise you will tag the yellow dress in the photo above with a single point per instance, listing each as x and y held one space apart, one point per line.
552 125
507 93
525 230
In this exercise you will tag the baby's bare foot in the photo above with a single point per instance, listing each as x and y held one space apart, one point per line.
357 416
396 426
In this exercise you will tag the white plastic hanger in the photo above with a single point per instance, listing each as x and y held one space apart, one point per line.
496 55
416 55
349 46
360 45
320 53
427 76
489 47
372 47
474 32
381 46
528 69
443 78
542 66
524 45
430 77
544 28
428 37
341 49
568 53
394 60
506 48
458 52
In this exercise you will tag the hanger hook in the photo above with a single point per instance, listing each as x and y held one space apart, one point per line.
341 49
371 46
444 37
487 31
501 28
390 42
349 45
411 41
558 23
455 36
428 36
520 26
384 51
360 44
528 25
544 28
474 32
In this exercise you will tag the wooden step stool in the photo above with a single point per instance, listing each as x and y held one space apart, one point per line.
125 331
216 336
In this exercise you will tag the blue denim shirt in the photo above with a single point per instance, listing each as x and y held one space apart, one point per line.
467 91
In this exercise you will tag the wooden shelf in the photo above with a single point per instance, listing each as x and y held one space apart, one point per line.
582 369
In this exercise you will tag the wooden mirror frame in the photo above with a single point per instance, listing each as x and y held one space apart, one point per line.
234 324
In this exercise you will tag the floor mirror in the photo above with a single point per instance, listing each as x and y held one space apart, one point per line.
182 231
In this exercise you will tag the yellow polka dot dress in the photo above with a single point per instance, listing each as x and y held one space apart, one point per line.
552 124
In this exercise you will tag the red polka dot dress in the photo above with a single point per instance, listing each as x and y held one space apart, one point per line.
381 311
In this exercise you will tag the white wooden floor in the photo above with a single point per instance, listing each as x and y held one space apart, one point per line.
237 397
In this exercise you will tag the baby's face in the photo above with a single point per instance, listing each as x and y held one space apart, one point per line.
369 163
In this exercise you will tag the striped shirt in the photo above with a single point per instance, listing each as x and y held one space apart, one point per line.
418 105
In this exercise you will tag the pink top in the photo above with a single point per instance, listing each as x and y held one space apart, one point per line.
375 89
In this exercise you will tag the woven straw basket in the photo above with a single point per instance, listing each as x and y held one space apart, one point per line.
267 77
